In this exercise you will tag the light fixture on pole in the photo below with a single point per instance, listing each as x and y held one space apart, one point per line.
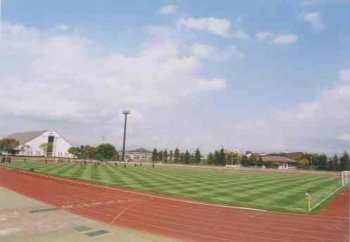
125 112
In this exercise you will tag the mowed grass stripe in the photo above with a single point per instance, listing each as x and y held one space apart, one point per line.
281 192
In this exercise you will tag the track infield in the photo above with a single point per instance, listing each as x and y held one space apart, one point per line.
266 191
181 219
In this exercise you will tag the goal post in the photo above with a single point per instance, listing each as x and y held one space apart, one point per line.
345 178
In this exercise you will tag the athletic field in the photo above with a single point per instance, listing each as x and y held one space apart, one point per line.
261 190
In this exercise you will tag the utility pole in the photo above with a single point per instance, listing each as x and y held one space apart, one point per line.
125 112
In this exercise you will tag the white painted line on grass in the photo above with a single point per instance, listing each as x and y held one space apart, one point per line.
316 205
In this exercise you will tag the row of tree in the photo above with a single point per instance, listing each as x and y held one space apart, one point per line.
101 152
176 156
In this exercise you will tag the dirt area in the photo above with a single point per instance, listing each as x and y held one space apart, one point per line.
24 219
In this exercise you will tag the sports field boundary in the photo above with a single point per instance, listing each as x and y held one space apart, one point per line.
325 199
163 197
174 218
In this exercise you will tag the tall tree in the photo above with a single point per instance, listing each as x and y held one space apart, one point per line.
187 157
210 159
335 165
177 155
322 163
154 155
344 164
182 158
105 151
222 158
229 158
165 156
260 162
244 161
216 158
171 156
197 156
160 155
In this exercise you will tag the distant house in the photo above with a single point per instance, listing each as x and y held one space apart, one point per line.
139 155
280 161
30 142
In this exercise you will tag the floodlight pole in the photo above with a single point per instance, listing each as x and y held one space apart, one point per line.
125 112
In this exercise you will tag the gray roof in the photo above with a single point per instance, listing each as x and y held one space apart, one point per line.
26 136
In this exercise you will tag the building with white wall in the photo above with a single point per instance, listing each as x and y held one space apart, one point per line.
30 142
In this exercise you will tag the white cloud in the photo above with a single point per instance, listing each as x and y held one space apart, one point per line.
42 70
212 85
285 39
169 9
63 27
309 126
263 36
214 26
230 52
201 50
278 39
344 137
314 19
309 2
240 35
344 75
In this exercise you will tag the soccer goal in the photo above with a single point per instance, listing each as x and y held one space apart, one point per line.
345 178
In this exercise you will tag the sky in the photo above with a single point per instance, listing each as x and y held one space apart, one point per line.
257 75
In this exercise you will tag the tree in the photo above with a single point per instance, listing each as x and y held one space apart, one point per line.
197 156
187 157
304 163
210 159
222 157
8 144
154 155
335 163
344 164
229 158
44 147
260 162
244 161
182 158
165 156
160 155
105 151
216 158
89 152
177 155
116 156
322 163
75 151
171 156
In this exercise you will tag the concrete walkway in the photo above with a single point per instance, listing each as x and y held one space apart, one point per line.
23 219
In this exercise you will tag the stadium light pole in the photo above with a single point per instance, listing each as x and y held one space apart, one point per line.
125 112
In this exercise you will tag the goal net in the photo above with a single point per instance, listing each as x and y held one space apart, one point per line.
345 178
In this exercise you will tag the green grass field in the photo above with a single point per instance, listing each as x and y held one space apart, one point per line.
261 190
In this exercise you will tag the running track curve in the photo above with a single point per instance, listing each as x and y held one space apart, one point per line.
179 218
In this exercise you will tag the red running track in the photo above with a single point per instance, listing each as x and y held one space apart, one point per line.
182 219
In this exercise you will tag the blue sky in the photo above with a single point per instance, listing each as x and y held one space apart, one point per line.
249 75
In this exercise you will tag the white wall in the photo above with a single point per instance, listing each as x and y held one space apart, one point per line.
60 146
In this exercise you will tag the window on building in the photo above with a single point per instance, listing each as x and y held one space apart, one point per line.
38 153
59 154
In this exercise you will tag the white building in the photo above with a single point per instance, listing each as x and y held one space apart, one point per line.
30 142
